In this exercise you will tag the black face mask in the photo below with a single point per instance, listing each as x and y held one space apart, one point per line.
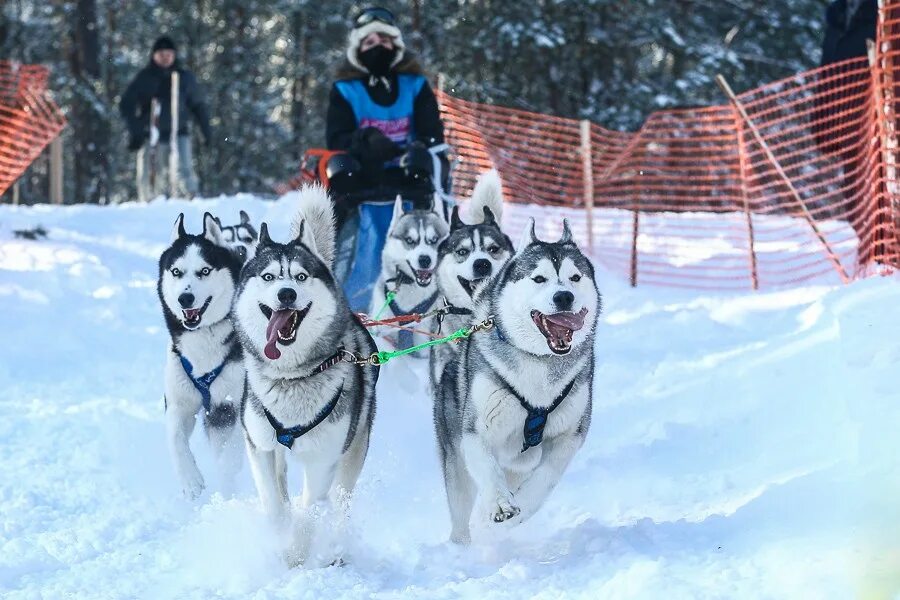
378 60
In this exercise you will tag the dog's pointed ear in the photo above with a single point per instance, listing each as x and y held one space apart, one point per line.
245 218
528 236
455 221
567 237
437 207
178 230
489 217
305 237
212 229
264 235
398 211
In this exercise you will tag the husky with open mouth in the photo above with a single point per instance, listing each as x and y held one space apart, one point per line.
303 398
515 404
204 369
467 258
407 269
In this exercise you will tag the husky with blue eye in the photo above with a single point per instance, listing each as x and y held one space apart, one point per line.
408 262
304 398
514 405
204 369
472 252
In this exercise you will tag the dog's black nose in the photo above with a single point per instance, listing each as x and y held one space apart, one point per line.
424 261
481 268
287 295
186 300
563 300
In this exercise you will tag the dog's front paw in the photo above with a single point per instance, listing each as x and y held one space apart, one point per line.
192 485
504 510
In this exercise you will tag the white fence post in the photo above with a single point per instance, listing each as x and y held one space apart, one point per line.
56 171
587 169
173 139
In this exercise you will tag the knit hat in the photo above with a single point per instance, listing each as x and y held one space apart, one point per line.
373 20
164 43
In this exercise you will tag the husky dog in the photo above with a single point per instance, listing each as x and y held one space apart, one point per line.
197 279
303 398
407 268
515 403
466 259
241 238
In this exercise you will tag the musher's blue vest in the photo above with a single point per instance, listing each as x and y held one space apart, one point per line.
394 121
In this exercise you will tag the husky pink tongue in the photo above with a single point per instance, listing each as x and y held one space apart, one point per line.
278 320
568 320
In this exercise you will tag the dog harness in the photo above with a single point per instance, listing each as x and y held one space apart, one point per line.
287 435
201 383
536 420
404 337
449 309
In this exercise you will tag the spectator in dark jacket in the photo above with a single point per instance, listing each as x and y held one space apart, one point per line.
155 82
381 106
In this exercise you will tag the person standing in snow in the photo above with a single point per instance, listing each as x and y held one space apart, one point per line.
155 82
382 111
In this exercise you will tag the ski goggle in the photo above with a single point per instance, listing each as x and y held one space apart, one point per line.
370 15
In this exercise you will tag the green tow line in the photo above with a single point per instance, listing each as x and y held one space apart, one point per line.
384 357
380 358
387 302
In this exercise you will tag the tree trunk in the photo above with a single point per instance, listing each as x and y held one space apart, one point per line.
90 126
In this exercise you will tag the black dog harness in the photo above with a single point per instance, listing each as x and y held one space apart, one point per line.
287 435
449 309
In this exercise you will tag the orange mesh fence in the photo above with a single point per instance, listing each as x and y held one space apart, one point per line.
792 182
29 120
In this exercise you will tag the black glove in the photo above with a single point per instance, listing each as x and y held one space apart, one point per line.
417 162
370 145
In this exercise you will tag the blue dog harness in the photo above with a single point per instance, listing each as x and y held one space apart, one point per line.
536 420
201 383
286 436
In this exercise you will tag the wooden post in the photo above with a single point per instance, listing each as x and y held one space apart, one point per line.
173 139
629 149
885 244
780 170
153 149
15 193
742 161
441 82
56 171
587 174
634 250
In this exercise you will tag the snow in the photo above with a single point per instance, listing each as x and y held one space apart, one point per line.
743 445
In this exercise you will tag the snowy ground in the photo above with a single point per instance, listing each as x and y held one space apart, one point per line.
743 445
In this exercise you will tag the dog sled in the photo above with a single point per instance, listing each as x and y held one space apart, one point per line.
364 216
